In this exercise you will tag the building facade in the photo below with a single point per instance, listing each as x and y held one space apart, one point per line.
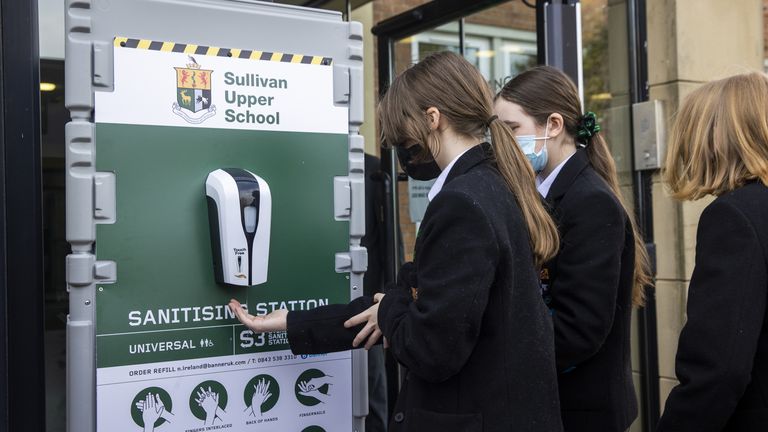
683 43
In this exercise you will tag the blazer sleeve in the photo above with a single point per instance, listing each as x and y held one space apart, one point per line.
321 330
585 290
726 308
434 331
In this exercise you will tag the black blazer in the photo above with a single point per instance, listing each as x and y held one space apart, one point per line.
373 240
588 287
475 336
722 358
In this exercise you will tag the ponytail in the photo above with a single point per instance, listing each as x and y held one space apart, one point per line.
521 180
602 162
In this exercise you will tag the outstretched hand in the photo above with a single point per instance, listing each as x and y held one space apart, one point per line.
275 321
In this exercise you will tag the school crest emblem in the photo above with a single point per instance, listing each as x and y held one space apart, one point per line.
193 93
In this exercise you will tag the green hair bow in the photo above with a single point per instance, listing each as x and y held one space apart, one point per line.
588 127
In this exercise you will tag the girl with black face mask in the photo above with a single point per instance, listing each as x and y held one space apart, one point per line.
466 318
413 163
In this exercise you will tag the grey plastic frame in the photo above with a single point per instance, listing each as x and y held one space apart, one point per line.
91 26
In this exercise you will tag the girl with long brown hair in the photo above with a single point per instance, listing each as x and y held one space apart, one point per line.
719 146
602 266
466 318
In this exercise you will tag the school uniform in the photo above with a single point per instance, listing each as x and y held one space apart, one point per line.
473 333
376 421
722 357
588 287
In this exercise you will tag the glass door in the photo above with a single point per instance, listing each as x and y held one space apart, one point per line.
503 38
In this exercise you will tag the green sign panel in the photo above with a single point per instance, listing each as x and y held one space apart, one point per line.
169 351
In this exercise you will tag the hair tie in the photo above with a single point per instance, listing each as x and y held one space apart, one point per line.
588 127
490 120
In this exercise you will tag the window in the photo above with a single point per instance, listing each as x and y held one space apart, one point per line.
499 53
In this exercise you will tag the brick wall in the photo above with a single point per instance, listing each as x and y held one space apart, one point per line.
514 14
383 9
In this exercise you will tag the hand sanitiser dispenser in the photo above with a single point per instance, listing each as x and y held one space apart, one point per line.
239 213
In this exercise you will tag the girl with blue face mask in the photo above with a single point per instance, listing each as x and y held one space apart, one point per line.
602 266
538 158
545 145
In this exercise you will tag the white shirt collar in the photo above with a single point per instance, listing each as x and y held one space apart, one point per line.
543 185
440 181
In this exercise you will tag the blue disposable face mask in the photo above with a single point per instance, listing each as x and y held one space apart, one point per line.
527 143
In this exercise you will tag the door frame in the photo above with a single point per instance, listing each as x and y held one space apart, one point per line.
439 12
22 363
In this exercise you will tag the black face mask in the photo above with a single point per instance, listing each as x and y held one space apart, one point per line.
426 170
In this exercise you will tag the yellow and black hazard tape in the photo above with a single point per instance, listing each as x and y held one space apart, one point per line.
220 52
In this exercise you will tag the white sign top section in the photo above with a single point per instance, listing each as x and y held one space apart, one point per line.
174 89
